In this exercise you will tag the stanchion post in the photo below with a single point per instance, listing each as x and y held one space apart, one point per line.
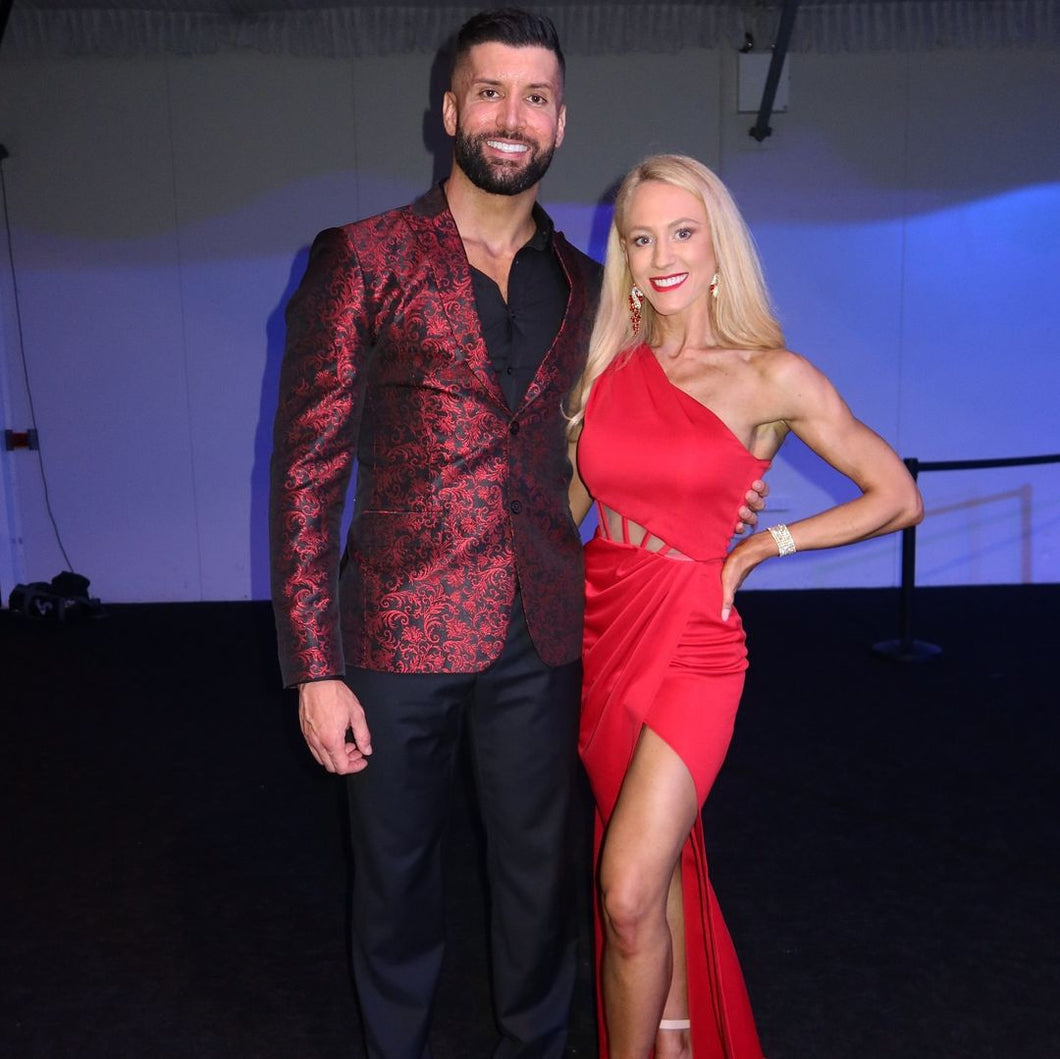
905 648
905 598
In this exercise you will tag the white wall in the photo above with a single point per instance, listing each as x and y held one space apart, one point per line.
907 208
11 570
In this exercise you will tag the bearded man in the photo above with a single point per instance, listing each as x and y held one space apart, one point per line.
435 344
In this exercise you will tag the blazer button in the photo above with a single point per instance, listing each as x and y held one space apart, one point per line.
516 507
513 428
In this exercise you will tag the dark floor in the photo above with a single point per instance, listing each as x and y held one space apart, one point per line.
884 839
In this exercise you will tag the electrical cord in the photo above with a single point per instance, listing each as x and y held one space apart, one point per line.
22 354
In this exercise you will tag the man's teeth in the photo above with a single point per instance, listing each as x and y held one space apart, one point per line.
669 281
508 148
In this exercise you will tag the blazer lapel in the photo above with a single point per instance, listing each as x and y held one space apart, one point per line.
434 226
577 306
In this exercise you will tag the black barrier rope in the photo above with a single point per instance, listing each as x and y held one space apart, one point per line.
906 648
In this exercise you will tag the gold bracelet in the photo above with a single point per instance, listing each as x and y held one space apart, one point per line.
783 539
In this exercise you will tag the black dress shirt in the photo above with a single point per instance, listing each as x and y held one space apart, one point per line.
520 332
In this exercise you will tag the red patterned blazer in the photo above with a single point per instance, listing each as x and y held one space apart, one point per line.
457 495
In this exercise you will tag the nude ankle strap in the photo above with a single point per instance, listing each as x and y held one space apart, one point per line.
675 1024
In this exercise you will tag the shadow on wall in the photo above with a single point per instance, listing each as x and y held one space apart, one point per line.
439 146
992 524
435 138
275 334
798 457
601 224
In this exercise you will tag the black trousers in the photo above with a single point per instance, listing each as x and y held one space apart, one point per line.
521 718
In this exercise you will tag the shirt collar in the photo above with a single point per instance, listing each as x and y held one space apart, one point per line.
542 237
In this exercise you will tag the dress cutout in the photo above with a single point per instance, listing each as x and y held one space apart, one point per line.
656 651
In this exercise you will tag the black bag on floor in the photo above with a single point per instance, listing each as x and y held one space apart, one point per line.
64 598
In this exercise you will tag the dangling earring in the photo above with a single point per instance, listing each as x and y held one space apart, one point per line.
636 297
714 287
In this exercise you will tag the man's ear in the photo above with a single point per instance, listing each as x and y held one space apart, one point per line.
561 123
449 112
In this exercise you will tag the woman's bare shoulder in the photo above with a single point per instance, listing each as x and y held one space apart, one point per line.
787 369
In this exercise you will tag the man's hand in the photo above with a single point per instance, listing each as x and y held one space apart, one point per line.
327 710
756 501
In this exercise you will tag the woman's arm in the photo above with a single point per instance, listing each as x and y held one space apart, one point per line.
816 413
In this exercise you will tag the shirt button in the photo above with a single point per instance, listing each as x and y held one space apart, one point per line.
513 429
516 507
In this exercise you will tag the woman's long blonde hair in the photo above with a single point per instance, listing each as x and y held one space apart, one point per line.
741 314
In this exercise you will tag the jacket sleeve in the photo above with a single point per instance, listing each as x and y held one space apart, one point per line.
314 442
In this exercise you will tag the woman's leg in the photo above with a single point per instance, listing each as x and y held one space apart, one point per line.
653 816
674 1039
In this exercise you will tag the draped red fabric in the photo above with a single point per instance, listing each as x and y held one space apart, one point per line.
656 651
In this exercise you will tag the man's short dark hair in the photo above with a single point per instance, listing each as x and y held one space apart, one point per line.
511 26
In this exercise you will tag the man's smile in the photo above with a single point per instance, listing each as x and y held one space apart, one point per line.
507 147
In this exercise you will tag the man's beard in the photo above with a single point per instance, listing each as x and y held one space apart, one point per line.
494 178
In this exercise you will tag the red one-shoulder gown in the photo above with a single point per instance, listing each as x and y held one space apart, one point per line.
656 651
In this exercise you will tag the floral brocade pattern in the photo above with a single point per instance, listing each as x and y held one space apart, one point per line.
457 494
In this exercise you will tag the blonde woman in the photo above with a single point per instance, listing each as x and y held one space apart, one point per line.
687 395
